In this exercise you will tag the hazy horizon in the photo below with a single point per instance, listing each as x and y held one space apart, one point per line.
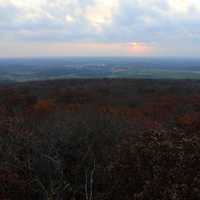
101 57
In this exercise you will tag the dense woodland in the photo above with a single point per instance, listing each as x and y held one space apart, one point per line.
100 140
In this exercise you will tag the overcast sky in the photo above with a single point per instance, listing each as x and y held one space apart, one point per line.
99 28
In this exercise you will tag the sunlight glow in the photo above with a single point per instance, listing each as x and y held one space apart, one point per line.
140 48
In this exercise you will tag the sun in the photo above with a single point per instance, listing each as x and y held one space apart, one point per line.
134 44
139 48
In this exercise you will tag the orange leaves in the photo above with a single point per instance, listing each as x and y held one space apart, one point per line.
189 120
45 106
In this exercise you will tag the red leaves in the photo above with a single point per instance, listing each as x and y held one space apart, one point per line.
44 107
189 120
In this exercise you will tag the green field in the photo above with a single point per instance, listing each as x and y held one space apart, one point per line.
157 74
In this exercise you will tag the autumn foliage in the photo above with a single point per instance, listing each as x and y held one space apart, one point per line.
100 140
189 120
46 106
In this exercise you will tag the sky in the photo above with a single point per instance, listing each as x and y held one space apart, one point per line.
31 28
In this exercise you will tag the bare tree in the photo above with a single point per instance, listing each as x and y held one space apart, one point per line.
89 183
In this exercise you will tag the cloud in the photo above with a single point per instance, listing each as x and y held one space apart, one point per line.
146 22
100 13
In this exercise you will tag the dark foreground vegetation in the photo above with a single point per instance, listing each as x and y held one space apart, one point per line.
100 140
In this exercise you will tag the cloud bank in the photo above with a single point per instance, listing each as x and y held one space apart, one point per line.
155 26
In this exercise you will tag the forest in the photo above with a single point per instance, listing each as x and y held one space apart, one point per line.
100 139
